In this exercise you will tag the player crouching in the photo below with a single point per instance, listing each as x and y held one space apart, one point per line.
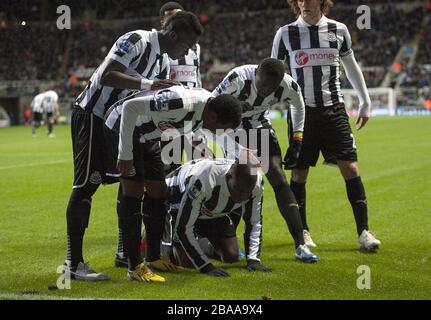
201 194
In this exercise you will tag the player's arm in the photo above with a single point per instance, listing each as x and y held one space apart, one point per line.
131 110
165 68
296 119
114 77
127 49
356 78
231 84
253 230
279 50
188 213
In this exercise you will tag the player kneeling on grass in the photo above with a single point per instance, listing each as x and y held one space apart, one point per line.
201 194
177 110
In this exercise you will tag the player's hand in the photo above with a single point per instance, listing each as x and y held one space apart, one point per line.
254 265
125 167
163 84
361 122
213 271
249 155
292 155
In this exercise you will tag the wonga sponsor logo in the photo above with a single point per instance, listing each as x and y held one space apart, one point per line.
301 58
172 74
315 57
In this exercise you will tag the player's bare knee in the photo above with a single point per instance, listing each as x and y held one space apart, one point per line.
299 175
156 190
276 176
349 169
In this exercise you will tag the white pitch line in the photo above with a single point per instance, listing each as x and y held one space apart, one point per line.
34 164
27 296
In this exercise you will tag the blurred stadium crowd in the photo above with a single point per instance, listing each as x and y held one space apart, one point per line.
236 32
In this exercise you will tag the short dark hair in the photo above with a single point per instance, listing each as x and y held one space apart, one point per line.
185 21
273 68
243 173
168 6
227 108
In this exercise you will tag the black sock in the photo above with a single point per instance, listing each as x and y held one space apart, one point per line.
50 128
77 217
120 246
131 222
358 200
154 219
299 192
289 210
75 237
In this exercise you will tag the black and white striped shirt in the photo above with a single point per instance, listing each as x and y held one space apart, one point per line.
199 190
37 103
313 55
49 101
139 52
169 112
241 83
187 68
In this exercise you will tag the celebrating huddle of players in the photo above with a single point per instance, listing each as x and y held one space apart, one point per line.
130 109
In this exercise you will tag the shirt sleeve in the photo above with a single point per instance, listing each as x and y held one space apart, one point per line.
231 84
346 45
126 48
356 78
253 223
131 110
165 68
297 105
188 213
279 50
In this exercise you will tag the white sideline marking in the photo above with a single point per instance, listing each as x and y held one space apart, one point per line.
34 164
27 296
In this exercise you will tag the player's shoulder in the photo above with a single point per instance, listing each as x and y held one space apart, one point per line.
185 93
136 38
285 28
244 72
195 50
207 171
338 24
52 94
289 82
40 96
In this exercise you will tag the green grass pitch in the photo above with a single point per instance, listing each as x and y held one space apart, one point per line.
395 159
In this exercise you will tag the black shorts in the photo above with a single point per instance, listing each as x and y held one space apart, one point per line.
327 130
88 146
265 140
223 227
49 115
37 117
147 158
